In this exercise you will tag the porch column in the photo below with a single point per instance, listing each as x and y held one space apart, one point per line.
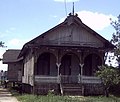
58 67
81 81
81 66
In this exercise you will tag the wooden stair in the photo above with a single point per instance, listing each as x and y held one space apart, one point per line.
72 89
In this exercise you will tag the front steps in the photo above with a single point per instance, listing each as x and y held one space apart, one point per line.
72 89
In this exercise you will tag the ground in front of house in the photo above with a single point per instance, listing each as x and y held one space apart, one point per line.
53 98
5 96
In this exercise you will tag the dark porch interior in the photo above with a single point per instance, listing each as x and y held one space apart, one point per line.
46 65
91 64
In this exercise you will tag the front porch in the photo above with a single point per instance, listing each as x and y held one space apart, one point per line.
67 71
68 85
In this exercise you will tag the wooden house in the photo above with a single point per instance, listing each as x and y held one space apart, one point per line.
15 65
65 59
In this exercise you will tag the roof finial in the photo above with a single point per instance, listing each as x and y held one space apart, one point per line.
73 8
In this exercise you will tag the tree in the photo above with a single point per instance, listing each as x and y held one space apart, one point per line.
110 76
116 38
2 44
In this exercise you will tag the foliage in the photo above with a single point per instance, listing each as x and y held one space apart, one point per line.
109 75
2 44
35 98
115 90
51 93
116 37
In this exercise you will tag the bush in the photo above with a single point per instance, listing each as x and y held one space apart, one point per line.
115 90
110 76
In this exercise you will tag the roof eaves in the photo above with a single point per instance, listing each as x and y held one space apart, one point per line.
40 36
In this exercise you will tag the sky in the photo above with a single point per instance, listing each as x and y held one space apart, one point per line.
23 20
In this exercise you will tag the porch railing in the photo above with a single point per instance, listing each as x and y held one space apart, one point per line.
67 79
91 79
47 79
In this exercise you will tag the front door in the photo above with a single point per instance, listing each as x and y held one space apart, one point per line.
68 69
66 65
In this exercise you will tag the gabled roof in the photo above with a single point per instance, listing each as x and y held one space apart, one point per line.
11 56
71 19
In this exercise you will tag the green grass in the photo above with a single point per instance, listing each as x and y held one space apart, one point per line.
34 98
52 98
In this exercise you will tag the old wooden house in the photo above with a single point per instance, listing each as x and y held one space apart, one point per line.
65 59
15 65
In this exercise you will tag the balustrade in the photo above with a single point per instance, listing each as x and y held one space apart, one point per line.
67 79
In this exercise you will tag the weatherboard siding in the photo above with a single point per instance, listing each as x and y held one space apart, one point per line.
13 69
28 70
72 35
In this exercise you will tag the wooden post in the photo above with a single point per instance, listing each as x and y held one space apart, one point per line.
81 65
58 71
58 67
79 79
